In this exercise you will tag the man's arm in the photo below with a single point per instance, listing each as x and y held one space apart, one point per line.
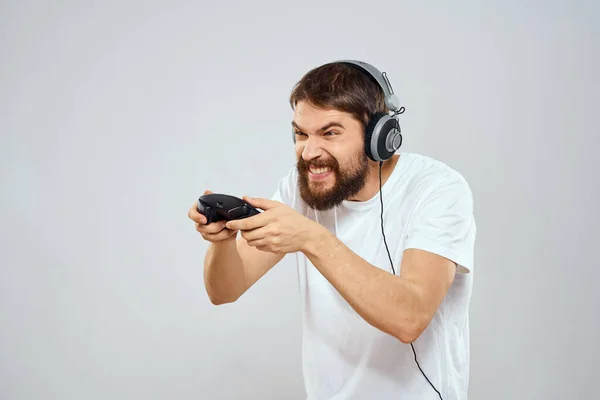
442 230
401 306
232 267
440 238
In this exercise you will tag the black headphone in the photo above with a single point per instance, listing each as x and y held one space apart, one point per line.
382 133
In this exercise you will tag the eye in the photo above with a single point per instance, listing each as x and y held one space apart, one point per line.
329 133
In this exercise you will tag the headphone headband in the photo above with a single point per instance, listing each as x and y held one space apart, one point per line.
391 100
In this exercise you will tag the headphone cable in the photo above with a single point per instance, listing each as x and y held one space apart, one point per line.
394 272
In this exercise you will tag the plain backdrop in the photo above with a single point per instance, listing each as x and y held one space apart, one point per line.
116 115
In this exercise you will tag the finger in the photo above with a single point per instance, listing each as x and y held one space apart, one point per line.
212 228
220 236
196 216
250 223
254 234
264 246
259 243
263 204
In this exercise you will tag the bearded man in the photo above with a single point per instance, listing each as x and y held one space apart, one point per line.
384 245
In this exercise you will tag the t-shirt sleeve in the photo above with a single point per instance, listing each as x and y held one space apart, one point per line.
443 222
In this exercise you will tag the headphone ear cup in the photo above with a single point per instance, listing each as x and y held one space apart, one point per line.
382 137
371 135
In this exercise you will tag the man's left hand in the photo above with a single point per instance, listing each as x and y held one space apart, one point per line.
278 229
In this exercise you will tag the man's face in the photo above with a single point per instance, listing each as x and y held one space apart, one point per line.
332 164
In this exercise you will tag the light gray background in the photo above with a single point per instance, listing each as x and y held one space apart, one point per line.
116 116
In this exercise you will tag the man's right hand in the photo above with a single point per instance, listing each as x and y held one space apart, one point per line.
230 266
215 232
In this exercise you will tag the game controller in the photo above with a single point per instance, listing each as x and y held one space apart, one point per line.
223 207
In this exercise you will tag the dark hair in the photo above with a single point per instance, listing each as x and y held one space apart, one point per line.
342 87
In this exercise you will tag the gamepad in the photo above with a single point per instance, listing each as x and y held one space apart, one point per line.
218 207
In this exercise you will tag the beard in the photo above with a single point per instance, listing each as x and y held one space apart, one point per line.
347 182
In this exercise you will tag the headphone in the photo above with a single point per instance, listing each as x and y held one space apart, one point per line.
382 133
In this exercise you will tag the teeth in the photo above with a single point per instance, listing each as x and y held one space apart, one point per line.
319 170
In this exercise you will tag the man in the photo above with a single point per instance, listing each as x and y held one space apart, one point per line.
371 329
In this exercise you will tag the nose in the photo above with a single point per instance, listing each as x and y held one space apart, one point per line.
311 149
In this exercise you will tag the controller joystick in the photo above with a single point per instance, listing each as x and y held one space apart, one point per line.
223 207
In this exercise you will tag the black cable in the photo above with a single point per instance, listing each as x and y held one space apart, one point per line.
415 353
382 231
394 272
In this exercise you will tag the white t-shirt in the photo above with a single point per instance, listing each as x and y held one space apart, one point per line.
427 205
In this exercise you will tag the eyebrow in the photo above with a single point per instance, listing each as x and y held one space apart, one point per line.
321 129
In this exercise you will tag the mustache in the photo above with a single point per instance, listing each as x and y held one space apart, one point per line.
316 163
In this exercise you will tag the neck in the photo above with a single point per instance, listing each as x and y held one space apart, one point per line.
372 184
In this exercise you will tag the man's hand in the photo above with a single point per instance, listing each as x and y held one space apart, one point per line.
278 229
214 232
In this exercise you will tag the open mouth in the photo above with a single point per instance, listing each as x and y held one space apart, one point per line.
319 173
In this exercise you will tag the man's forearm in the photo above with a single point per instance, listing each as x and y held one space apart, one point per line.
387 302
223 272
